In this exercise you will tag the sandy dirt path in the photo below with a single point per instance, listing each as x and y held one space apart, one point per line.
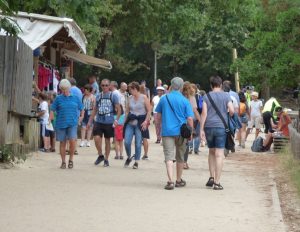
38 196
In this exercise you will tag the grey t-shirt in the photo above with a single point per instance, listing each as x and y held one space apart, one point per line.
221 100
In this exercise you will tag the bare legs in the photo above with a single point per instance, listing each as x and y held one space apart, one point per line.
146 146
62 149
119 148
179 168
215 163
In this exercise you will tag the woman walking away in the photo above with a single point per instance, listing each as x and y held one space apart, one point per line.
88 106
244 115
43 114
137 121
189 92
66 107
216 104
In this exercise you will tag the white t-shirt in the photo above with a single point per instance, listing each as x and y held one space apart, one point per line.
45 117
255 107
155 101
123 97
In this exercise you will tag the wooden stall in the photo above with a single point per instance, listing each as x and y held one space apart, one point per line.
16 75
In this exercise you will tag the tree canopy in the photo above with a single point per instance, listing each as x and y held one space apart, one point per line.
193 38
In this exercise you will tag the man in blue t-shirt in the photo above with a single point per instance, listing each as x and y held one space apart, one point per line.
107 105
173 110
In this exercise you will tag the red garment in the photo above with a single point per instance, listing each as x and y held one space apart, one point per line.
43 78
284 121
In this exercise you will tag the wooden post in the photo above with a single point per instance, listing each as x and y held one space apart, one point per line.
236 75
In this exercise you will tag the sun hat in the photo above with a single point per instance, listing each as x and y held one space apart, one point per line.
254 94
160 88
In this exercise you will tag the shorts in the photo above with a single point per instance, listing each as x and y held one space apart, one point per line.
255 122
243 119
64 134
84 124
119 132
101 129
44 131
169 143
215 137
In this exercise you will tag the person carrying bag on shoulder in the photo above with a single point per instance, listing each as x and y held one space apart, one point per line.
214 127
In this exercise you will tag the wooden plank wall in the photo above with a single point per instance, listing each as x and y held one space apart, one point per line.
16 71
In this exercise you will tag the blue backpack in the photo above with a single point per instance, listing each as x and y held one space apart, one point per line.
199 100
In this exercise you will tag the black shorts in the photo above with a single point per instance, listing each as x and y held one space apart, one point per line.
101 129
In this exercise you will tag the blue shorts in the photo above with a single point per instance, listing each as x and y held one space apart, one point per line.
64 134
44 131
215 137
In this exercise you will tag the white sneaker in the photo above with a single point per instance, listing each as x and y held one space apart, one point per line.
88 144
82 144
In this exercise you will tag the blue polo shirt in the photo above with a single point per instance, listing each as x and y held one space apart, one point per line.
170 122
66 108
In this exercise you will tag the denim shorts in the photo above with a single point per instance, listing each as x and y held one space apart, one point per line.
64 134
215 137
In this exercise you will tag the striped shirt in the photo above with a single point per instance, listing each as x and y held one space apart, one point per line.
66 108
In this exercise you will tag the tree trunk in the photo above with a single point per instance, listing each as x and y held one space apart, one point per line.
265 90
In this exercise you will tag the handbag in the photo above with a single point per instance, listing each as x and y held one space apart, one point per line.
185 130
229 145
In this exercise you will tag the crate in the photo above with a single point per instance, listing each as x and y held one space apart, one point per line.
280 143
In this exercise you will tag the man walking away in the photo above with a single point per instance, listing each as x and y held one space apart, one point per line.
173 110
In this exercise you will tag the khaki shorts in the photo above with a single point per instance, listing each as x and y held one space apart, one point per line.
256 122
169 143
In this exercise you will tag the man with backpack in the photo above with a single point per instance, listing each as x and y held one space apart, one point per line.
107 104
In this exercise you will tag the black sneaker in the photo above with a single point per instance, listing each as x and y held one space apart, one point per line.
145 157
128 161
99 159
106 163
135 166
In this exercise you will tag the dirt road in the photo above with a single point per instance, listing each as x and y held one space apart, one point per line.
38 196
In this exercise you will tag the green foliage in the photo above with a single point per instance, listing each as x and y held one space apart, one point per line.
6 22
7 155
272 49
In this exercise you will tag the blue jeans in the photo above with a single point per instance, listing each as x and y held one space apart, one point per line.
195 143
215 137
129 132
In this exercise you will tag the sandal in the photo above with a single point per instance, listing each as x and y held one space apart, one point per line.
169 186
210 182
70 165
63 165
218 186
180 183
186 166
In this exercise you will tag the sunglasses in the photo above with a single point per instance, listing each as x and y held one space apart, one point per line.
104 85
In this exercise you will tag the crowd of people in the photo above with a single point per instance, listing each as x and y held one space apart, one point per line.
122 114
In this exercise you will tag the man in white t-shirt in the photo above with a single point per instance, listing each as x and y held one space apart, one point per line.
256 107
123 95
155 100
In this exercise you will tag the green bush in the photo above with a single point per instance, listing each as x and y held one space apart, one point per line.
8 156
292 166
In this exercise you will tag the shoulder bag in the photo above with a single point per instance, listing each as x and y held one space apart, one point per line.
229 145
185 130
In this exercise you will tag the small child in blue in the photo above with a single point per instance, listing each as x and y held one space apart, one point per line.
119 137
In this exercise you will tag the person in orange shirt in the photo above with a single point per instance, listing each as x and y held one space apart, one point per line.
282 127
284 121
